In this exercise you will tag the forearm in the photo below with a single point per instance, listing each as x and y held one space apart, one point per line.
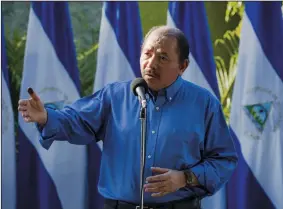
65 125
218 155
213 172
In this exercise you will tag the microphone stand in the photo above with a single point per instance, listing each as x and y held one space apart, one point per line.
143 140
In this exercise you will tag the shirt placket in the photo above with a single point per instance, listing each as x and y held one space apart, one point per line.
154 117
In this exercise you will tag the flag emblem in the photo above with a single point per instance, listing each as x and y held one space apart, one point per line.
262 107
58 102
258 113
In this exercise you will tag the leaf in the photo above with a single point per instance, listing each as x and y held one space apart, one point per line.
226 75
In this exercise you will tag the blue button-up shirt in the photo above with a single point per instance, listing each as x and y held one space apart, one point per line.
186 129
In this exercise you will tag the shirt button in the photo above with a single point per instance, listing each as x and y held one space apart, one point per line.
170 98
149 156
153 132
157 108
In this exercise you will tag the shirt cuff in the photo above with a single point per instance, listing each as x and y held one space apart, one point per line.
49 130
199 172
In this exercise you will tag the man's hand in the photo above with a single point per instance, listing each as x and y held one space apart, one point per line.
32 109
165 182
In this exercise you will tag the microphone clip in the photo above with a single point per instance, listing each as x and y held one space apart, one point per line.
143 103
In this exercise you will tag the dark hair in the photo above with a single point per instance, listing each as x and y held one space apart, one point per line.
182 42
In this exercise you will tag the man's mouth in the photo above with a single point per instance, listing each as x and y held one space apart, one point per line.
151 75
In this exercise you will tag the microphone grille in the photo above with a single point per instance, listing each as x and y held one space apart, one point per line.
138 82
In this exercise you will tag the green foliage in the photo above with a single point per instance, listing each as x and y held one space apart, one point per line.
233 9
87 65
86 19
152 14
229 43
15 48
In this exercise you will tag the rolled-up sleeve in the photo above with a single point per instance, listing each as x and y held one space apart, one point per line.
78 123
219 158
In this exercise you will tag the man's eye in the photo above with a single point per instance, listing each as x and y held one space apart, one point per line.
163 58
147 54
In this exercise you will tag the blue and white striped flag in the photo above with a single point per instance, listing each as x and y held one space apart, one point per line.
257 110
118 57
53 178
120 42
190 17
8 154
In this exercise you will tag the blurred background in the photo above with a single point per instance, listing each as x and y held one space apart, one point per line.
32 177
224 23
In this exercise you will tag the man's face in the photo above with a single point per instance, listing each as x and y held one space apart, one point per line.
159 61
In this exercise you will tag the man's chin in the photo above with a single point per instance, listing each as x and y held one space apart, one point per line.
153 86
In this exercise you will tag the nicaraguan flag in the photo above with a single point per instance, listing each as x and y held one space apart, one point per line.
8 154
120 42
257 110
190 17
53 178
118 57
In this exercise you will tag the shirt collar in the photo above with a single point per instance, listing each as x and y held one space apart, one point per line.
170 91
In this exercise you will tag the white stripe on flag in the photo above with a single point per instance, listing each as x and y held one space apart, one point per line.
112 65
65 163
8 154
193 72
258 83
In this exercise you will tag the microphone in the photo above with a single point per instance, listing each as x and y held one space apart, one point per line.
140 88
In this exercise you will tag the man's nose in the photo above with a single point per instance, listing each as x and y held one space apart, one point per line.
152 62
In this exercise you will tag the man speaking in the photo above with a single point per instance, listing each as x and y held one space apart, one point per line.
189 150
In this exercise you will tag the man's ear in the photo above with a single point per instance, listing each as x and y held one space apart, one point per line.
183 66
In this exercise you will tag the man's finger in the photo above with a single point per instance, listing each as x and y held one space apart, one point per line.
156 190
25 114
159 170
22 108
23 102
160 177
33 94
27 119
155 185
159 194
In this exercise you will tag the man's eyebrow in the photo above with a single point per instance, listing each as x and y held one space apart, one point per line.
150 48
162 52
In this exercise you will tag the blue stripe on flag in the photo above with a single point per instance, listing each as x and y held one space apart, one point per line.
247 198
64 44
269 30
30 194
190 17
95 200
121 16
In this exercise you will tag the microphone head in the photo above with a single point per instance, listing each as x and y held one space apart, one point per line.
139 82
